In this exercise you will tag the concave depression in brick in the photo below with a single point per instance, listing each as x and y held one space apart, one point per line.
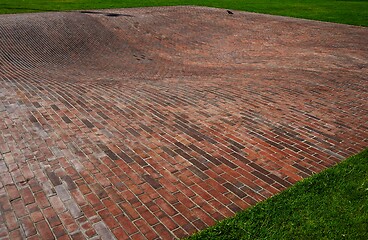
154 123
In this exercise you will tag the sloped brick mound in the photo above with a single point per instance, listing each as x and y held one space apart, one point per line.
156 122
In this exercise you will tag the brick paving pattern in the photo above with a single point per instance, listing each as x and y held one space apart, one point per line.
154 123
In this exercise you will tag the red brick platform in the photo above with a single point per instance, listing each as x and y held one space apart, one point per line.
154 123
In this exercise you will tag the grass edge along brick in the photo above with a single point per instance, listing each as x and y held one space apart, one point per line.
330 205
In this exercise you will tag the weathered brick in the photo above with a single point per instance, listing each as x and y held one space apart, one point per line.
161 152
55 180
44 230
19 208
28 226
10 221
57 204
51 217
103 231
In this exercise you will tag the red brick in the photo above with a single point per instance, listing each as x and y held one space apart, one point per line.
85 189
147 215
169 223
88 211
16 235
153 207
36 216
4 204
127 225
199 224
44 230
28 226
127 208
13 192
77 236
180 220
93 200
169 197
27 173
108 219
180 233
164 233
142 226
119 233
34 237
51 217
186 212
90 233
66 219
71 227
19 208
59 231
137 236
78 197
10 221
167 208
113 208
42 200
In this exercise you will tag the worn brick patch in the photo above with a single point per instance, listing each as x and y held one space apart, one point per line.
155 123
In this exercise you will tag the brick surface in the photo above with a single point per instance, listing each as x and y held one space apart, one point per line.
158 122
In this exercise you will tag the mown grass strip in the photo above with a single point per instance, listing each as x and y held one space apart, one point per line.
329 205
353 12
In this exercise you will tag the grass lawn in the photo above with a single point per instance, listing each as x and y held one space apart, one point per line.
353 12
329 205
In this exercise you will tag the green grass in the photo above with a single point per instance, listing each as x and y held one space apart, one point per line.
341 11
329 205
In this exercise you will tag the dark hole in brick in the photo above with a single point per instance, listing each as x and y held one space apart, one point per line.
90 12
113 15
107 14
